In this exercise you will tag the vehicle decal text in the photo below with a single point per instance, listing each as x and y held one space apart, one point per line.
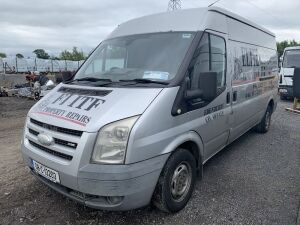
70 107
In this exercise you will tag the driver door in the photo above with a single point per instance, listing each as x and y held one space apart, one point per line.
210 56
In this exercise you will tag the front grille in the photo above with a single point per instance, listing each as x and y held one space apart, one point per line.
57 154
56 128
35 133
56 140
65 143
87 92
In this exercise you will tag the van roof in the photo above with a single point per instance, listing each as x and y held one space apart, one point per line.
240 18
195 19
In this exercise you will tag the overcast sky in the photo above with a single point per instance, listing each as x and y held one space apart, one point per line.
56 25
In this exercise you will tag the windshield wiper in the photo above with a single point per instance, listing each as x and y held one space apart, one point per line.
145 81
91 79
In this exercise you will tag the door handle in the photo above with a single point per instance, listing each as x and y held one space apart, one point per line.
228 98
234 96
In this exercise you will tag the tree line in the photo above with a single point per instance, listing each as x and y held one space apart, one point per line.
74 55
283 44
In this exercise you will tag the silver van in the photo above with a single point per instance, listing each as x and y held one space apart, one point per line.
154 101
289 61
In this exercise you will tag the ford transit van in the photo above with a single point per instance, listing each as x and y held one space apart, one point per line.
151 105
290 60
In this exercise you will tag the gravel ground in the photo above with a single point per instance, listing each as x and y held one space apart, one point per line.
255 181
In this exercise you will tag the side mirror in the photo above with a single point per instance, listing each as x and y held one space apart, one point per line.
207 87
281 59
280 62
193 94
208 83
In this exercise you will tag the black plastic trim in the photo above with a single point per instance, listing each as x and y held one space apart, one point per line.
88 92
56 140
56 128
50 151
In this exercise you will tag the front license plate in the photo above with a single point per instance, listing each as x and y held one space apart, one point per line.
46 172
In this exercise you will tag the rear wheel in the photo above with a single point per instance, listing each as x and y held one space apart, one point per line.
264 125
176 182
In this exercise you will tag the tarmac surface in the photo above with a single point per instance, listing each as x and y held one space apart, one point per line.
255 180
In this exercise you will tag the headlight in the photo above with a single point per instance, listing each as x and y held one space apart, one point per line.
111 143
283 91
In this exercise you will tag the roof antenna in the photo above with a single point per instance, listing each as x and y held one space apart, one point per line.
213 3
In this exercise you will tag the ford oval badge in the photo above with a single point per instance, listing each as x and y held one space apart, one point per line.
45 139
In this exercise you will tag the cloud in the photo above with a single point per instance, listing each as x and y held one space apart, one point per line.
61 24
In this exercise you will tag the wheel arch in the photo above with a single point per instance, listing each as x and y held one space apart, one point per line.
271 103
192 142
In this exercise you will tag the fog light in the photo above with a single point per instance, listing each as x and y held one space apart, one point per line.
113 200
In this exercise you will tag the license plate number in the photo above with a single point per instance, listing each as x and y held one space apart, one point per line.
46 172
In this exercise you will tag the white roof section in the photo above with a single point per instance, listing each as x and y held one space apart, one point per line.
292 48
182 20
240 18
179 20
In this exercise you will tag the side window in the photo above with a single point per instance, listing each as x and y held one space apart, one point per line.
210 56
218 58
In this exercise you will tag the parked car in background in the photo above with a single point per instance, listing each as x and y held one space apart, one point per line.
289 61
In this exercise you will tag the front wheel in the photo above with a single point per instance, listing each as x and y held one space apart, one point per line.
176 182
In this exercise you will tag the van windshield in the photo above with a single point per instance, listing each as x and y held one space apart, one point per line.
291 58
150 57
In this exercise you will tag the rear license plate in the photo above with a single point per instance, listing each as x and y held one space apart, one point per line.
46 172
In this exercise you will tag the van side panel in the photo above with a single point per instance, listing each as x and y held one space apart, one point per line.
254 69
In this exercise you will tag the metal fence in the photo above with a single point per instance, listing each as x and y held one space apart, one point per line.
22 65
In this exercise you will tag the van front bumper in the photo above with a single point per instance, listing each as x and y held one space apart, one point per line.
106 187
285 91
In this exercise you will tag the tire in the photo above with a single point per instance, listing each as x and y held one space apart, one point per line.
264 125
176 182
